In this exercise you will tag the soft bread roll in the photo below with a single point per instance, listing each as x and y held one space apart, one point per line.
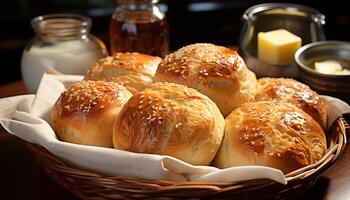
294 92
170 119
218 72
85 112
133 70
271 133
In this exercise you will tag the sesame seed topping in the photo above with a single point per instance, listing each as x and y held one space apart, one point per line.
208 59
132 62
86 96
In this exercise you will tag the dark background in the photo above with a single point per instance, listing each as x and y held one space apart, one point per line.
190 21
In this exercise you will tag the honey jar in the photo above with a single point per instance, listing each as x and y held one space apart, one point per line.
139 26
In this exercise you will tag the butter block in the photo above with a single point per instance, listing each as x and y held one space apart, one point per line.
278 46
330 67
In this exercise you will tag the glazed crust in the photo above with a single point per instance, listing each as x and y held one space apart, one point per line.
271 133
294 92
133 70
85 112
170 119
216 71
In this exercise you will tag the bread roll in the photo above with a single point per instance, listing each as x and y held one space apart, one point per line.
133 70
170 119
218 72
271 133
294 92
85 112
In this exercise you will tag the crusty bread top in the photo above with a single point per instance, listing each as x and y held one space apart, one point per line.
90 97
203 59
294 92
132 62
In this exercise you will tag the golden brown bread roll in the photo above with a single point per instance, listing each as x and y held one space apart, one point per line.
133 70
170 119
294 92
85 112
271 133
218 72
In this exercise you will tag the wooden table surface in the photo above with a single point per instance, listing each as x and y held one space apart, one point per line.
22 178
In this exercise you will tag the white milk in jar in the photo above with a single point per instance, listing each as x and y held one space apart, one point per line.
62 45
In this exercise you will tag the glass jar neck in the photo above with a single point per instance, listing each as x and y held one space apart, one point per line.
136 5
57 27
137 1
129 9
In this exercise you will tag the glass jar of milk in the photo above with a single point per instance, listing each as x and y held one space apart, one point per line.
62 44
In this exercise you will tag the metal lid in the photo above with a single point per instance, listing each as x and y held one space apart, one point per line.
314 14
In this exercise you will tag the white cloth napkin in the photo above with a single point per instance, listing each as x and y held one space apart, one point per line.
27 117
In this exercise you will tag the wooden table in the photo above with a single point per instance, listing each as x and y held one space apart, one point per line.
22 178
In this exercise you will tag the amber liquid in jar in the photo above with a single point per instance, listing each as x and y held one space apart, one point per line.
139 32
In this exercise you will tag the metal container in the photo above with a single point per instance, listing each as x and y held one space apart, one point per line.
303 21
333 85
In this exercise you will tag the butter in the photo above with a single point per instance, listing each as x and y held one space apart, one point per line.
330 67
278 46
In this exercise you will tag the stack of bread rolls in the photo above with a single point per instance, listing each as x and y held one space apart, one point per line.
176 107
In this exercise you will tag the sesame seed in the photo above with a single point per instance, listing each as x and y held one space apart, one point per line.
178 125
219 74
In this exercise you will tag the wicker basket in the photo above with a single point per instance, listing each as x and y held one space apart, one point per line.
92 185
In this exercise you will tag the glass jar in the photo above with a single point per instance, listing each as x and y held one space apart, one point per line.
62 44
303 21
139 26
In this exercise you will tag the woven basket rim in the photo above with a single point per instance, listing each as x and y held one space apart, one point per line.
131 187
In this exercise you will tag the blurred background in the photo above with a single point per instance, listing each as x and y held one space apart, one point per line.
215 21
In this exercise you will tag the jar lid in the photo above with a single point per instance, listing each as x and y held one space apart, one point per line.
138 1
